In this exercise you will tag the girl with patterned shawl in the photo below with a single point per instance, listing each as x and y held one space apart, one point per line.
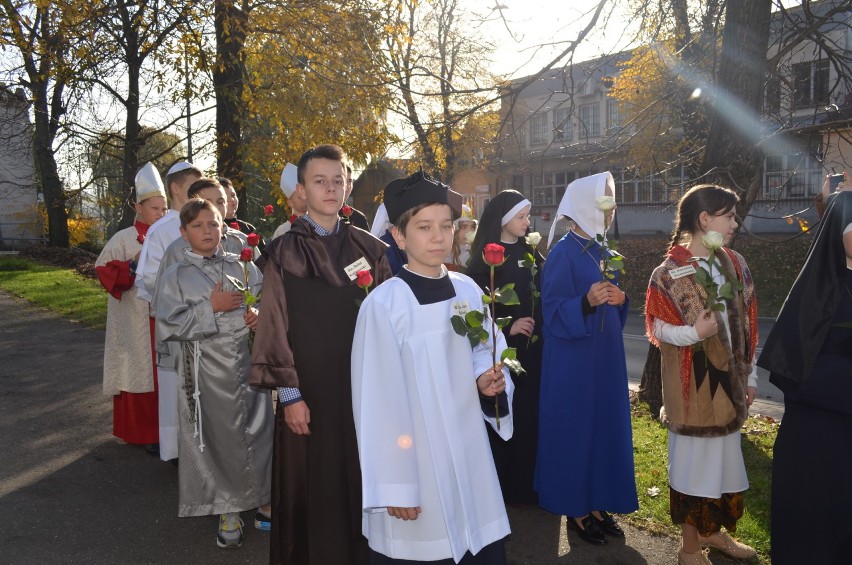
708 376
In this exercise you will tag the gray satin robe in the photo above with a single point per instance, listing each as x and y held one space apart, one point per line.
232 472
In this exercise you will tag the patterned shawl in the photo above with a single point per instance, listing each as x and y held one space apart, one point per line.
678 301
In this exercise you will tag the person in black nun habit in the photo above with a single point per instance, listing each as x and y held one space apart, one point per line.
809 356
505 220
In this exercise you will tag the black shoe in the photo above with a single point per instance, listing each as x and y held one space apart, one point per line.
152 449
609 526
589 532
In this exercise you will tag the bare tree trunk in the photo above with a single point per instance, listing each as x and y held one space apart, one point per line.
132 144
46 116
735 127
231 26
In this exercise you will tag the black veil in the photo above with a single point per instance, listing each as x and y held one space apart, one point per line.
490 227
806 315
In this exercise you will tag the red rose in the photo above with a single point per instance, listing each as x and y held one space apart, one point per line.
293 218
268 210
246 254
234 225
253 239
346 211
494 254
364 279
140 238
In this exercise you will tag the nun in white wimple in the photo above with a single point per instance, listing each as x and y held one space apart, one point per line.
298 204
585 452
505 221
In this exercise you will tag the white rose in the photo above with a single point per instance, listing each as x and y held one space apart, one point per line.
605 203
533 238
468 238
712 240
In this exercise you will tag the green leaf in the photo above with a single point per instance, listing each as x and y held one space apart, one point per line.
238 284
718 307
515 366
473 339
459 325
474 318
534 338
726 291
503 322
508 297
482 336
509 353
250 299
486 299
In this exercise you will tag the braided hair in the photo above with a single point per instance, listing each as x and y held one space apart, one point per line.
710 198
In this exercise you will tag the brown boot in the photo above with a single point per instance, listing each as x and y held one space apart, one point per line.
726 544
697 558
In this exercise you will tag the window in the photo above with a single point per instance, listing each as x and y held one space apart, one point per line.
538 129
796 175
563 128
590 120
810 80
548 188
613 116
518 183
772 99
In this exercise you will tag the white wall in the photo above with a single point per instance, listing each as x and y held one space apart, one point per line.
19 224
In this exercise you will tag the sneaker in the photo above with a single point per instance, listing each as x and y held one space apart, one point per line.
262 522
726 544
230 531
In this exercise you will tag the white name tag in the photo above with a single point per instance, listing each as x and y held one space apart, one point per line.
460 309
681 272
359 265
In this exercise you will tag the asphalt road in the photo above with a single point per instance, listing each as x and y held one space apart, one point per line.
72 493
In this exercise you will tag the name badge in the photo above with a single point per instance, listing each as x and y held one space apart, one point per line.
359 265
460 309
681 272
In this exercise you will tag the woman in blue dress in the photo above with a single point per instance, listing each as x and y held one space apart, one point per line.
585 451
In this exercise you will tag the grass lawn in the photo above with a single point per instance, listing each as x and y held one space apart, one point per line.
58 289
649 452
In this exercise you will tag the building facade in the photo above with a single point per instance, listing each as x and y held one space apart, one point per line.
20 224
565 124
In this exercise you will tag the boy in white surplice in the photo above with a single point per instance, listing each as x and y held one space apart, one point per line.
420 394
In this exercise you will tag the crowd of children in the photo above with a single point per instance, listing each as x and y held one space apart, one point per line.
327 389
